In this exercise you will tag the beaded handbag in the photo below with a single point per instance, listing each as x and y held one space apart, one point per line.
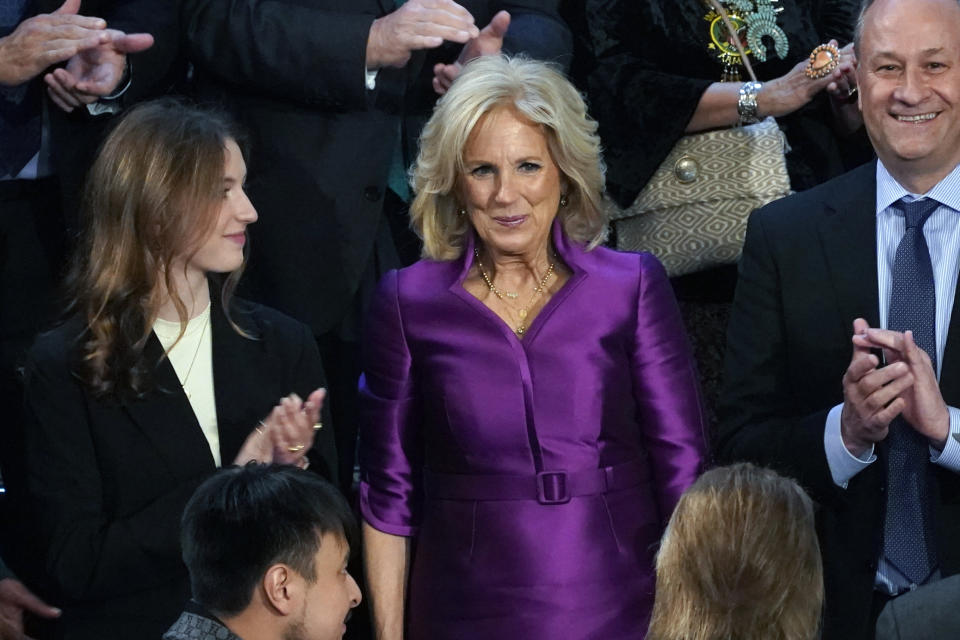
693 212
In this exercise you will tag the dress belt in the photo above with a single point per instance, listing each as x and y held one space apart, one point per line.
546 487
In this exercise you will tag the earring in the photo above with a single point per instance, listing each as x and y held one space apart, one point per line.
563 200
461 212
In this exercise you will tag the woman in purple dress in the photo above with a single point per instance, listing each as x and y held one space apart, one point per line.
531 414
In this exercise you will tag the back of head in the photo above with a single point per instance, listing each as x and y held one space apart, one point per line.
740 559
541 94
245 519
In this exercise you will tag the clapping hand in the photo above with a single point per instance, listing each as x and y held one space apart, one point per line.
488 42
286 434
417 24
923 405
14 600
95 72
47 39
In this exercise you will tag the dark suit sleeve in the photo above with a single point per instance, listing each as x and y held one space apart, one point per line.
286 50
90 553
759 418
4 571
538 31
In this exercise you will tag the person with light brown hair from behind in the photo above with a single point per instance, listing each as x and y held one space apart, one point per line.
739 559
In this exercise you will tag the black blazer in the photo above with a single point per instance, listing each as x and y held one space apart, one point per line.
108 479
808 270
292 72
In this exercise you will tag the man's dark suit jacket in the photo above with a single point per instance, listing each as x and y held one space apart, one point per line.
321 143
808 270
108 480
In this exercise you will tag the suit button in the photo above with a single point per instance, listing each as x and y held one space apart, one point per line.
372 194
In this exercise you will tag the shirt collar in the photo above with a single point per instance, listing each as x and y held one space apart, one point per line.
946 192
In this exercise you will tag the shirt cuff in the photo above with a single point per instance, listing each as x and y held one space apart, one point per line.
950 456
370 78
843 464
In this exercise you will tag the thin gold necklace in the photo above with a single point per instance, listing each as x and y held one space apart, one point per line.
193 360
522 311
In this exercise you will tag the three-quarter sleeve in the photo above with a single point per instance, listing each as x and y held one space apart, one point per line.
391 449
665 387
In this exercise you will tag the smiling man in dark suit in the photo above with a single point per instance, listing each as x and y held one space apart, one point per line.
842 366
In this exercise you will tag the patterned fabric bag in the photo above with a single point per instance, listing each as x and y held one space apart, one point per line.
693 213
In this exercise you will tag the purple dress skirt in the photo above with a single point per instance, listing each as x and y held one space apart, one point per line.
536 475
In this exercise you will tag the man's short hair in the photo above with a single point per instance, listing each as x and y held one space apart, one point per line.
861 18
245 519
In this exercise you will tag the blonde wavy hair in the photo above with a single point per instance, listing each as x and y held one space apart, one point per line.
740 559
541 94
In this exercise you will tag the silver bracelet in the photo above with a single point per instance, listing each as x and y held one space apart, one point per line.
747 102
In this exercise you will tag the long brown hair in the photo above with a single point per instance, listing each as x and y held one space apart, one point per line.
152 196
740 559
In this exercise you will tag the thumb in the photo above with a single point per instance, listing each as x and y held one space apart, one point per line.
317 397
69 7
29 602
499 25
860 327
133 42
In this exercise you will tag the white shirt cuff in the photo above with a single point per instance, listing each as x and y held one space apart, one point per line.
370 78
843 464
950 456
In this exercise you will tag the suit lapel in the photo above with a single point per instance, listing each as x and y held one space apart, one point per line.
848 237
234 359
950 367
167 421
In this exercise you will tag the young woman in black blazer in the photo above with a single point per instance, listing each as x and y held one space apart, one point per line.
159 376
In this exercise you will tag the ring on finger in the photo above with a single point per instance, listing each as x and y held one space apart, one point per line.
823 60
296 448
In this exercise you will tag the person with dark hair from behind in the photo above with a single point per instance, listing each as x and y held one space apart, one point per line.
267 549
739 559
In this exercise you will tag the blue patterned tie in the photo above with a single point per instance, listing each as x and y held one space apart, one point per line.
908 527
20 118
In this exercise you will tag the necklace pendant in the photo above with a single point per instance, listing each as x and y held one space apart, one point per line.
522 313
521 330
512 296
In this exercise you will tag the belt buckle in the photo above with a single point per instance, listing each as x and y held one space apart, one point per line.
552 487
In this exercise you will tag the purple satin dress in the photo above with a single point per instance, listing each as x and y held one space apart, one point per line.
535 475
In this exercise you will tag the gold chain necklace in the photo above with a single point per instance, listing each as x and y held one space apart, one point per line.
522 311
193 360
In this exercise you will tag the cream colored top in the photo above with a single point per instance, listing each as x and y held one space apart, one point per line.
192 359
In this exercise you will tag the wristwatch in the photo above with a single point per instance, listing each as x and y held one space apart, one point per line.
747 102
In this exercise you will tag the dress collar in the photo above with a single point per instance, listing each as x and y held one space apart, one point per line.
571 252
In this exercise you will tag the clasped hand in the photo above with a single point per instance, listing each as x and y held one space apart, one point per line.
417 24
874 396
286 434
